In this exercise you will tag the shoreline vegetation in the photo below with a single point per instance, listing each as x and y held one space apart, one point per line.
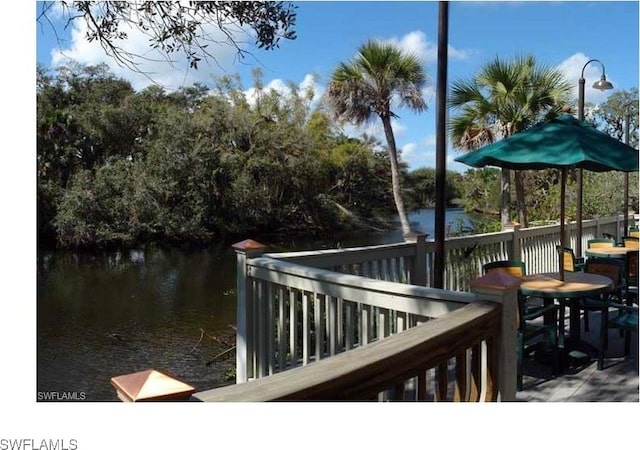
119 168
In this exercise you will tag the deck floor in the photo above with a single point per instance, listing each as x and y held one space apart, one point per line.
617 382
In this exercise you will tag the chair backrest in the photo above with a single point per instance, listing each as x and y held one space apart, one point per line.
512 267
634 232
600 243
631 241
610 267
569 258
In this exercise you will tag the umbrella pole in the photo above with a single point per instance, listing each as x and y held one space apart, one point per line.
625 208
563 188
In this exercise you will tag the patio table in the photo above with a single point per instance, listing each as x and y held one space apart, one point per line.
576 285
609 252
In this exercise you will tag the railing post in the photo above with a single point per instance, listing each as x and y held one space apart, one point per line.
503 288
516 248
598 227
419 274
620 221
245 345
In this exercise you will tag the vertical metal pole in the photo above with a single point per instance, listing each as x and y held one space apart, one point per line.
579 179
563 238
625 208
441 149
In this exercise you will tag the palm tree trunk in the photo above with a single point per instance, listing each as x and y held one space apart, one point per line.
395 174
505 213
520 205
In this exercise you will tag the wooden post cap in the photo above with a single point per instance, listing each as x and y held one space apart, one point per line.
413 236
150 385
248 245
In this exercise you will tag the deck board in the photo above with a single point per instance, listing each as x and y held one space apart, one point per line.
617 382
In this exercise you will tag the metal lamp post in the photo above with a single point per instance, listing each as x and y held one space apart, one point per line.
601 85
627 120
625 208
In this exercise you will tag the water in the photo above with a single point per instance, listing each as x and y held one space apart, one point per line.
99 316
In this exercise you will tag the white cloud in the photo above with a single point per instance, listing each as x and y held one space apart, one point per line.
430 140
375 129
308 83
408 149
572 69
154 66
416 42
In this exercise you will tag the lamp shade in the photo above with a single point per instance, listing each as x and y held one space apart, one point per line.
602 84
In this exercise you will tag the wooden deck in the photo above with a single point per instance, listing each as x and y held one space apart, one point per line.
617 382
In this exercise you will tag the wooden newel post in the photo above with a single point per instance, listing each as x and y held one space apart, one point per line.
503 288
419 273
244 307
516 250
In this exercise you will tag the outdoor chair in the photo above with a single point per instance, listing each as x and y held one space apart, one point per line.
620 316
600 243
530 323
631 241
634 232
613 268
571 263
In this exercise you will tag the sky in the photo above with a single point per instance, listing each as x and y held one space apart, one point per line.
563 35
559 34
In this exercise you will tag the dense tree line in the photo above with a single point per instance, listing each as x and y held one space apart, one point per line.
118 167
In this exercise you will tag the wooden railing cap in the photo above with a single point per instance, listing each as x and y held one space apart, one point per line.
248 244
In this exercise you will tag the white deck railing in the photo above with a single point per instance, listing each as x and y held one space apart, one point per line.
412 262
453 358
298 308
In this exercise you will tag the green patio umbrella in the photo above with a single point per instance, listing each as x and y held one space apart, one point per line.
562 143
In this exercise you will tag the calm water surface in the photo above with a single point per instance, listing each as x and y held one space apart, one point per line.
99 316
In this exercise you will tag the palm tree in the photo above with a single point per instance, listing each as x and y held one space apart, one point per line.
365 88
503 98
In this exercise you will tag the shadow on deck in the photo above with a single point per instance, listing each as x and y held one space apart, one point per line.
617 382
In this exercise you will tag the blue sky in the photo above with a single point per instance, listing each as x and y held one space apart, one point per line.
559 34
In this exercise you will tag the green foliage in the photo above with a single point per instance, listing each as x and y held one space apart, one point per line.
363 90
117 167
612 115
95 209
229 374
480 191
420 188
503 98
603 193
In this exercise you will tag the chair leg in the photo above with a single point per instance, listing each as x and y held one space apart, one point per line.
555 354
561 323
586 320
603 337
